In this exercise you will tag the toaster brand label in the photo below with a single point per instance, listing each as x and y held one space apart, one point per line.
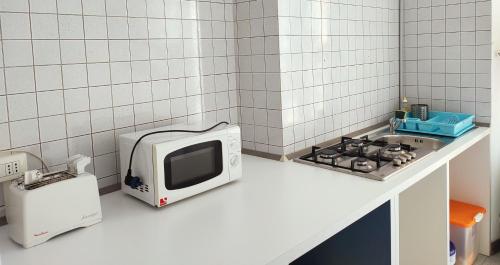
163 201
88 216
41 233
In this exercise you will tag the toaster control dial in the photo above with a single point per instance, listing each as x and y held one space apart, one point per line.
234 160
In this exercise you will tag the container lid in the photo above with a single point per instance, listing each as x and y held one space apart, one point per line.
465 215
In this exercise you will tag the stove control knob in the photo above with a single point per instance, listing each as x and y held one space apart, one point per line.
403 159
408 156
397 162
413 154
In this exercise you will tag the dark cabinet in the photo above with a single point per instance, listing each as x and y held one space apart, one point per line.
365 242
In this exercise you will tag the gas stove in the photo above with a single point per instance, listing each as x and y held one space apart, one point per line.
376 158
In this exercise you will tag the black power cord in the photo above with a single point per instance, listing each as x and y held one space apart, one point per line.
135 182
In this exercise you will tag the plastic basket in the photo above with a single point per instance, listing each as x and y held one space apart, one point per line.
440 123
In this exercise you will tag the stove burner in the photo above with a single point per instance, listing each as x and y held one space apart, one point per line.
357 144
394 148
327 154
362 162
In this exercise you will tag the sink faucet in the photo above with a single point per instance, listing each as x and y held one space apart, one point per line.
394 124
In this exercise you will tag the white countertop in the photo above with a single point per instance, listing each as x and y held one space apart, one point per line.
274 214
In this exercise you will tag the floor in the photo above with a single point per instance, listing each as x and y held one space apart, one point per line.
483 260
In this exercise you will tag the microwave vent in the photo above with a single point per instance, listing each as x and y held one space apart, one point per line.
143 188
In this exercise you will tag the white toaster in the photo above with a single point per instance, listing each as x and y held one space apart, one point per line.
52 204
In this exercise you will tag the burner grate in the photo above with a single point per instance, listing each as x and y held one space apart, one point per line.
359 155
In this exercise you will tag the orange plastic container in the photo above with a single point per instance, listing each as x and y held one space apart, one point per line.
463 230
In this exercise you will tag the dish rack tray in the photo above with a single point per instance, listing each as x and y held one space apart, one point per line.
450 124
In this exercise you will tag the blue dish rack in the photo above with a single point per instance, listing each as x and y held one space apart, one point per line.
450 124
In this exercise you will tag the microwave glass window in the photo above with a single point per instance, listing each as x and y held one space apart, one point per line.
193 164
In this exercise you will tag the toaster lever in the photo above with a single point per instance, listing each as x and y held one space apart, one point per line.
77 164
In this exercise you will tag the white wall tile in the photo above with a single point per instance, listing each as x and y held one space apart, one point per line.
143 113
5 139
22 106
4 117
74 75
15 25
94 7
17 52
14 5
70 26
116 7
121 72
105 165
95 27
124 116
69 6
44 26
72 51
52 128
119 50
102 120
100 97
117 27
23 133
43 6
78 123
98 74
55 153
97 51
122 94
76 99
46 52
19 80
50 103
80 145
104 143
48 77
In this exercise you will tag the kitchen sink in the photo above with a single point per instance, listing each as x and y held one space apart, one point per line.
415 141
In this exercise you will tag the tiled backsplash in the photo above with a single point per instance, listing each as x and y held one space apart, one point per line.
315 70
339 67
447 55
74 74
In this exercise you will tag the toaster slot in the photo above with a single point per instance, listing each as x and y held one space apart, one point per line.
49 179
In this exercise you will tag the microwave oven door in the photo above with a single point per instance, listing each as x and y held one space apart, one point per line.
190 166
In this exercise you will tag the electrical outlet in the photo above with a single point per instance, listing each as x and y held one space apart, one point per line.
12 166
9 169
15 167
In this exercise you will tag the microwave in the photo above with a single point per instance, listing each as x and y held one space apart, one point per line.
171 166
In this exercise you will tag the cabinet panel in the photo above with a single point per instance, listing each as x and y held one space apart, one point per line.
423 221
365 242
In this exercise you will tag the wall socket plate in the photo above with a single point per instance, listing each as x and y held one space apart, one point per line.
12 165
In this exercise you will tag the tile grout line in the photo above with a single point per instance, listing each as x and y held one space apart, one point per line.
116 166
88 89
62 83
38 144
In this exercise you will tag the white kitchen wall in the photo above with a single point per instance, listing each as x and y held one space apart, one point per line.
447 55
259 75
339 67
74 74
